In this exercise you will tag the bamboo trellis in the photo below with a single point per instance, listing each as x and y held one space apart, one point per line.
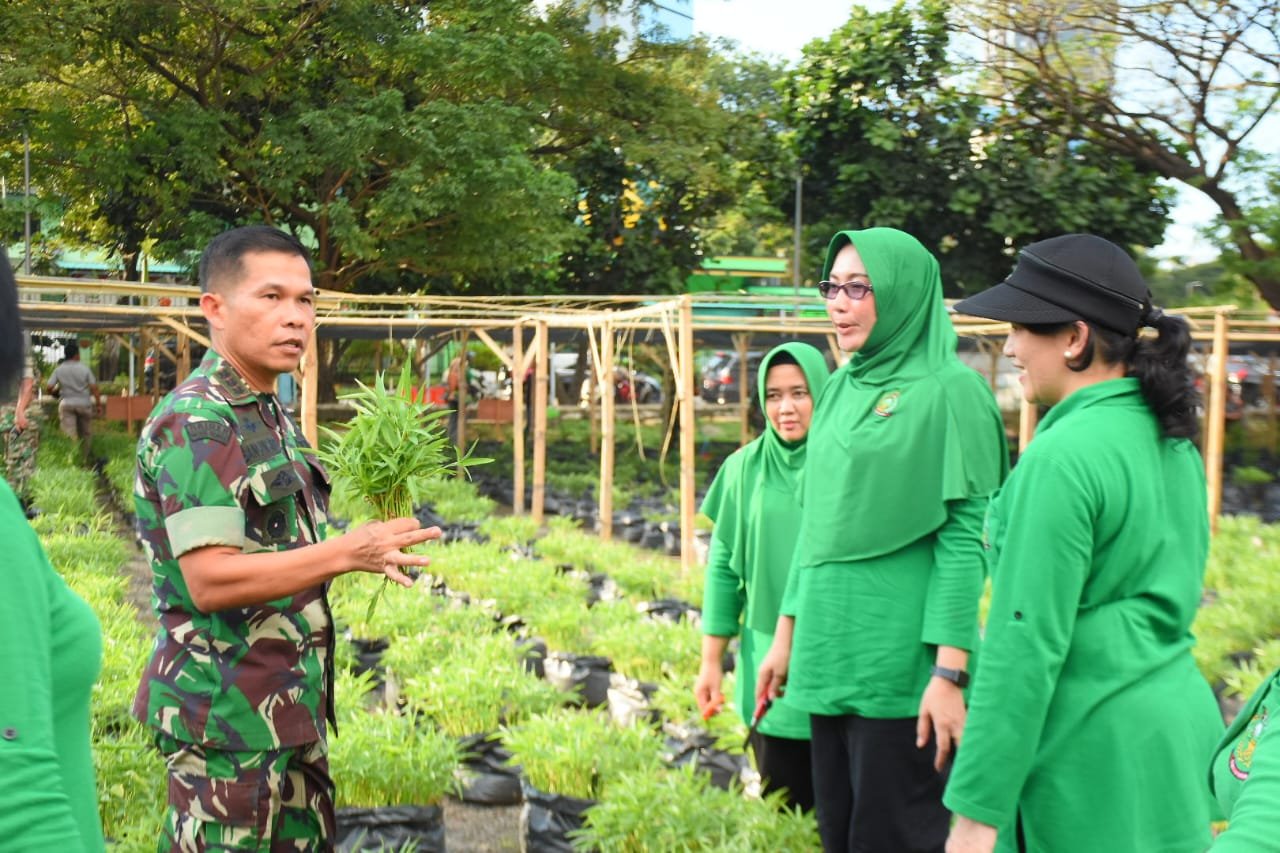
151 311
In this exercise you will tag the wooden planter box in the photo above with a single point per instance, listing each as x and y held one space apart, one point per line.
134 408
493 411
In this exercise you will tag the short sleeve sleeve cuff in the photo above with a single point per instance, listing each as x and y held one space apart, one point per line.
203 526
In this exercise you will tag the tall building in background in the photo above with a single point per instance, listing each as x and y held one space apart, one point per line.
1072 34
653 20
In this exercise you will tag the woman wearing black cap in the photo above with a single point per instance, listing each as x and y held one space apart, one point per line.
1089 726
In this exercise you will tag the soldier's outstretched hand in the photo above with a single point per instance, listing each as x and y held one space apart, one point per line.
377 547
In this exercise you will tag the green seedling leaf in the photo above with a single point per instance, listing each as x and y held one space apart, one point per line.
390 449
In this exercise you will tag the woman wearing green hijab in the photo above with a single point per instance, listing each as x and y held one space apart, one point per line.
753 504
881 604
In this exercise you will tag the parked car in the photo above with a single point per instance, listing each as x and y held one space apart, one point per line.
1246 376
720 376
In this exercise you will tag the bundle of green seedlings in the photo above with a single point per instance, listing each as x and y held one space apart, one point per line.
391 450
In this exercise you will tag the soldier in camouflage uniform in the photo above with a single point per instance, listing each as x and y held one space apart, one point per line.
231 505
18 431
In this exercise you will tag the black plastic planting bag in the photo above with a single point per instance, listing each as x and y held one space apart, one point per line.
533 655
670 610
391 828
486 776
547 819
686 745
585 675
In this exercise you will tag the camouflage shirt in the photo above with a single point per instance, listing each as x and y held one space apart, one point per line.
219 464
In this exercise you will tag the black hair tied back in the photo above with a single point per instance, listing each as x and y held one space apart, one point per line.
1160 366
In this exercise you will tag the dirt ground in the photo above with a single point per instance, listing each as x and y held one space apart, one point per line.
481 829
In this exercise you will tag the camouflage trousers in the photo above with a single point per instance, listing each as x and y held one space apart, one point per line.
274 800
19 449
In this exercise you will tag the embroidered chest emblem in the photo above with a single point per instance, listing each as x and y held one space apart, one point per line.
1242 756
886 405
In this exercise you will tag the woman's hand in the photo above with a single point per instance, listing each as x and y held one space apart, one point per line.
706 690
942 712
969 836
772 675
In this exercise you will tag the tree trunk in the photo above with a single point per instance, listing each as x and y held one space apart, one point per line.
329 357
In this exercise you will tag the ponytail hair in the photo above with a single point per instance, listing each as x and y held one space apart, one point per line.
1159 364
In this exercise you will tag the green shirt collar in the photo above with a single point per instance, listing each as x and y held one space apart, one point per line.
1090 395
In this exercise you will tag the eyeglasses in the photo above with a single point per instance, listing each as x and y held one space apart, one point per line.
855 290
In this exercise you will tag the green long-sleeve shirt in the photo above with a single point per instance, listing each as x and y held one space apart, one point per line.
50 654
1088 719
867 631
732 583
1245 775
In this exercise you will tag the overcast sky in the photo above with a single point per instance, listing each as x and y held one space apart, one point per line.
783 27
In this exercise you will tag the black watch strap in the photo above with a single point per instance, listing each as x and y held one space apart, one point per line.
958 677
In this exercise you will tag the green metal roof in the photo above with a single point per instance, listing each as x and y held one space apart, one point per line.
743 266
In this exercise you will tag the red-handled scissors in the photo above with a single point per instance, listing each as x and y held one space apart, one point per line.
762 707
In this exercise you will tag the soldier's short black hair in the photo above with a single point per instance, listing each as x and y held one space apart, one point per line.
221 262
10 323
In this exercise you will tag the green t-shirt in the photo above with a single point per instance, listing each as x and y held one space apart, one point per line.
1088 719
50 655
754 504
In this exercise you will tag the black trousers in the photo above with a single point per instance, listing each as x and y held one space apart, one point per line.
875 791
784 765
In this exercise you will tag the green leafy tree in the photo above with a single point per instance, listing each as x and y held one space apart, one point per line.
395 138
886 136
1185 89
369 127
639 130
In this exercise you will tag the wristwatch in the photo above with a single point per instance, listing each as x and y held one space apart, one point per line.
958 677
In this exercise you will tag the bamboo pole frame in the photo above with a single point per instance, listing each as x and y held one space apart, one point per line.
687 396
184 358
1028 420
742 343
464 389
66 302
517 418
605 370
1215 426
309 391
1269 398
541 344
